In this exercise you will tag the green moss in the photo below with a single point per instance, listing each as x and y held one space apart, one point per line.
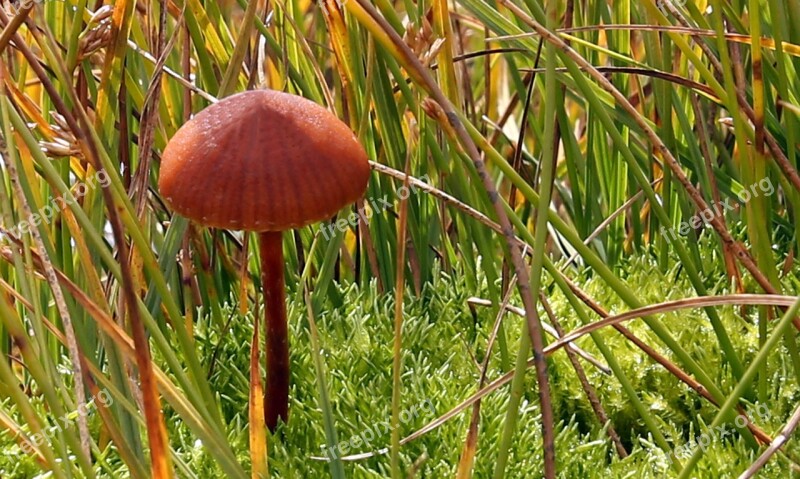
440 335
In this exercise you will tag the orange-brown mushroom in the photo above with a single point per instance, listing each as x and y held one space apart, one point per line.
264 161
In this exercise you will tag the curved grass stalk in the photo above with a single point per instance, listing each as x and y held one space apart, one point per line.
547 168
452 122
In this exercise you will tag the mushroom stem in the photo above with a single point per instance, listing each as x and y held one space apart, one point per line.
276 392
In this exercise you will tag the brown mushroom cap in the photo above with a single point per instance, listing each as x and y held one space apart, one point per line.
262 160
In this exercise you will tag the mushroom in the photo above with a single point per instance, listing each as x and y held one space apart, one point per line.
264 161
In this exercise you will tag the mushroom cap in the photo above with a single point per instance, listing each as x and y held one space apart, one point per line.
262 160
